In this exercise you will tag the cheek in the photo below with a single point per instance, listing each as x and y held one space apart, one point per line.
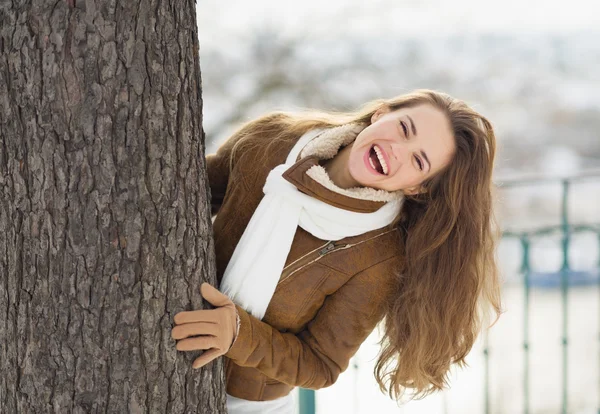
405 179
406 174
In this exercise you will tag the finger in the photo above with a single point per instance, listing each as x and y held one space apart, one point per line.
197 342
204 315
213 295
196 328
206 357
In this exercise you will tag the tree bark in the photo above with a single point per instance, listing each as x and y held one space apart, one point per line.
105 230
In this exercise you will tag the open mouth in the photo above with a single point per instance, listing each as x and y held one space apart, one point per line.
374 160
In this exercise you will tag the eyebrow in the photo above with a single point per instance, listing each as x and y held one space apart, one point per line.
414 131
412 125
426 159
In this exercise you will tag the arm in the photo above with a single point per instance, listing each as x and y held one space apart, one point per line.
220 164
218 169
315 357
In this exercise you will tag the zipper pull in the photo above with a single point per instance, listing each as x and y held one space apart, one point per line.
327 248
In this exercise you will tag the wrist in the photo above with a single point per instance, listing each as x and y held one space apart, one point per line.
237 327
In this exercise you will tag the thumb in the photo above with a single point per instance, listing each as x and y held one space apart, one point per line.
213 295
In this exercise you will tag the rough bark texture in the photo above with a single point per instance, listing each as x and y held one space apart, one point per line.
105 230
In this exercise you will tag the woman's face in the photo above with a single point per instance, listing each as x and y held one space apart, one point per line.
415 143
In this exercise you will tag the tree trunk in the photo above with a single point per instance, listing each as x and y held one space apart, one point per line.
105 230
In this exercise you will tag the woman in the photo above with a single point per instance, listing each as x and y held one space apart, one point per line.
327 224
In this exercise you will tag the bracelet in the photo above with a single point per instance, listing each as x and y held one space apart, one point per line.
237 329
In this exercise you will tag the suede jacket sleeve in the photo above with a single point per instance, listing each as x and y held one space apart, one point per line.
217 169
315 357
220 164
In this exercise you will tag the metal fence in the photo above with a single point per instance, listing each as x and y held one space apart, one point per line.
567 277
562 279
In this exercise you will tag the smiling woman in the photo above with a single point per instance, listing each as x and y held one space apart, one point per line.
391 155
326 224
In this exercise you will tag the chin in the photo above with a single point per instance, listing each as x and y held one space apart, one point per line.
369 183
375 186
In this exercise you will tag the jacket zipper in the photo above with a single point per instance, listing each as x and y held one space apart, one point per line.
318 253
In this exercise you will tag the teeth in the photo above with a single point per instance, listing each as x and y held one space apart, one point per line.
381 160
372 165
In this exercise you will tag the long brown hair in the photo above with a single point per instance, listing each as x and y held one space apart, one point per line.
449 286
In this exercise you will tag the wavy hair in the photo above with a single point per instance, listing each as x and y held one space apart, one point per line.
448 288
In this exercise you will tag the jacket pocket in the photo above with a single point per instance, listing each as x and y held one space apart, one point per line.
317 254
311 257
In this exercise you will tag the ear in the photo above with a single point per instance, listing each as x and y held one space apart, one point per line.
384 109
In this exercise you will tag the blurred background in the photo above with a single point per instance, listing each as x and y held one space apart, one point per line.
533 68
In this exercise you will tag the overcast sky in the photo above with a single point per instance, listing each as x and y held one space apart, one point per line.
394 17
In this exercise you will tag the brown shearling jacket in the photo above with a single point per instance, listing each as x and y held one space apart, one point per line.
330 296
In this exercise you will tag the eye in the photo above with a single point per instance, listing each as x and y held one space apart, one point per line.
419 162
404 129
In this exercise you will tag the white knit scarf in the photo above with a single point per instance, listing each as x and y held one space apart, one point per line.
255 267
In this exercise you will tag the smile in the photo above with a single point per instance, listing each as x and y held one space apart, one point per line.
375 161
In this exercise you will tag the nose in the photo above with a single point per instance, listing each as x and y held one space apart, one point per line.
399 153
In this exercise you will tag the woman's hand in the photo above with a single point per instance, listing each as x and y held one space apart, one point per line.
211 329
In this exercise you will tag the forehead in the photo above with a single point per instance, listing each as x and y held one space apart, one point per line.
434 134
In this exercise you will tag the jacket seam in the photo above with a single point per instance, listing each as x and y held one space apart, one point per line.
334 269
355 244
309 296
375 264
304 255
262 388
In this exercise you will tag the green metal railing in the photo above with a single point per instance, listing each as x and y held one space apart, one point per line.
307 401
566 231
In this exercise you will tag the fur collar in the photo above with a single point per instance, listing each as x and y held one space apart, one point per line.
328 143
